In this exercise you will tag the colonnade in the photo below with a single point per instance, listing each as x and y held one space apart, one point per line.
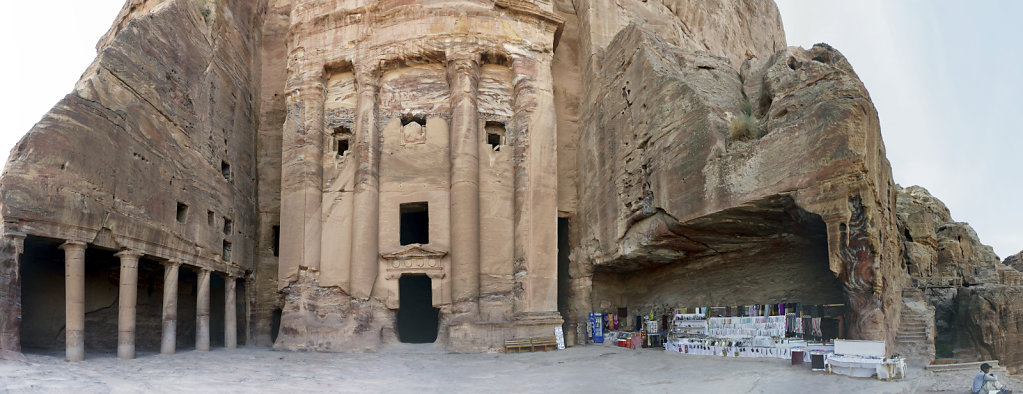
74 282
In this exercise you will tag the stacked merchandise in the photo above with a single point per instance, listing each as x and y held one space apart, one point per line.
746 327
755 348
688 324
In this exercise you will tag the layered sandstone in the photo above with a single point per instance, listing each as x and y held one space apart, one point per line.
671 194
565 157
971 294
152 151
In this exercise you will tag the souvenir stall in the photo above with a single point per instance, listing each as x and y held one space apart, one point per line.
864 359
802 334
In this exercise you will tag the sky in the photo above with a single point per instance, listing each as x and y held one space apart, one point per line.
944 75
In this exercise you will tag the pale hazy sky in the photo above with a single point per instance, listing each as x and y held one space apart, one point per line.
944 75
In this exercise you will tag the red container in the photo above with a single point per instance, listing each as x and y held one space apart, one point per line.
623 342
797 357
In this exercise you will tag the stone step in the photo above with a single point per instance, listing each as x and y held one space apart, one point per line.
963 366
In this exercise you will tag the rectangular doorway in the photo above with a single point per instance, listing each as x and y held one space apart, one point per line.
417 318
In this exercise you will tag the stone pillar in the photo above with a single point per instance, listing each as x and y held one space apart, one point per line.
202 312
126 301
230 313
74 299
463 77
11 249
536 184
302 174
366 215
168 339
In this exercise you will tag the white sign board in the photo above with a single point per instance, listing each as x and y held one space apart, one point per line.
859 348
560 335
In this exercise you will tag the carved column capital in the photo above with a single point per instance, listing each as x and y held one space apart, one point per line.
73 245
367 77
18 239
129 253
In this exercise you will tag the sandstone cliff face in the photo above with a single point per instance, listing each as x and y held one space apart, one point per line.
974 296
153 150
988 324
690 151
1015 261
939 250
670 189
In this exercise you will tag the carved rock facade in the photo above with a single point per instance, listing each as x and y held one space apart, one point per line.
523 162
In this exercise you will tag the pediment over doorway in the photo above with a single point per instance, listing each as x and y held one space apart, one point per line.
415 259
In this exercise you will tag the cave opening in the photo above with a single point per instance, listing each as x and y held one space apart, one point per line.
417 318
755 257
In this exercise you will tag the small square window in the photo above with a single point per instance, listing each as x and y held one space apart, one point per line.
342 135
211 218
182 212
495 134
225 170
415 223
228 226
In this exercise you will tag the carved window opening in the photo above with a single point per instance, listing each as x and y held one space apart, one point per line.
225 170
211 218
277 240
226 255
342 134
415 223
228 226
182 212
418 119
495 134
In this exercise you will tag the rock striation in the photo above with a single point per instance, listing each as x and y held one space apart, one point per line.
968 290
340 176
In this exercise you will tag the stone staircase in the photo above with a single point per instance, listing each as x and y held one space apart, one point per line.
915 338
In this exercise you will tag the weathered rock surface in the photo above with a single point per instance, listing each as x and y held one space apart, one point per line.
989 324
969 289
152 151
669 189
698 162
939 250
1015 261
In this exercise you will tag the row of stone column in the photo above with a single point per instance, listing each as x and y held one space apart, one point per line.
74 281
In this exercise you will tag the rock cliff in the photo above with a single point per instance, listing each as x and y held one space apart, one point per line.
972 295
566 157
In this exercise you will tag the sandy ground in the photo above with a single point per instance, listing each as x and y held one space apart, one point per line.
427 369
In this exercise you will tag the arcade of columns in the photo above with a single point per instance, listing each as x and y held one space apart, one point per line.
74 279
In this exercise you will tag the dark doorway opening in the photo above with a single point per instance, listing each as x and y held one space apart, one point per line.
564 283
275 324
415 223
42 296
417 318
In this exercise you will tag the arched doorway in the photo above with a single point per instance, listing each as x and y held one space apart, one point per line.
417 318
